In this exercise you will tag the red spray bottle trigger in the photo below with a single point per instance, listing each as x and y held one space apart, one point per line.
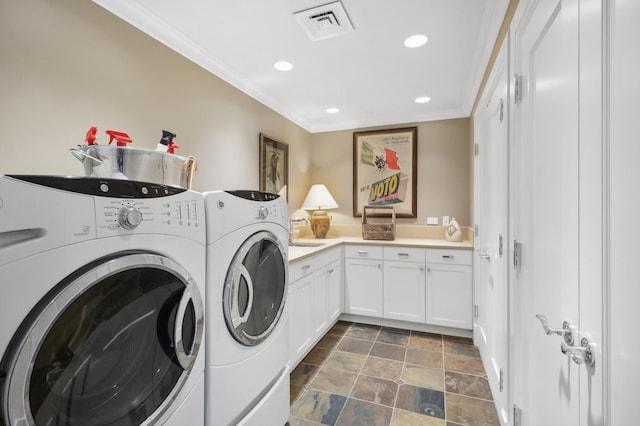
172 147
122 139
91 136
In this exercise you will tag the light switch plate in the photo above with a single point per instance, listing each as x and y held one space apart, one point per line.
431 220
445 220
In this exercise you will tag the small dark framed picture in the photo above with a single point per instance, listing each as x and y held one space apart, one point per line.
274 165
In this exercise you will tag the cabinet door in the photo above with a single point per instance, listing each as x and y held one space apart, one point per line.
327 296
300 321
363 287
320 300
404 291
449 295
335 289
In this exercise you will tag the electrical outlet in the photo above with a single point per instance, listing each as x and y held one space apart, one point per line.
445 220
432 220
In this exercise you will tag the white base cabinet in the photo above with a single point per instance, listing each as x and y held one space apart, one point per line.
314 300
335 289
327 283
404 284
300 302
417 285
363 280
428 287
449 288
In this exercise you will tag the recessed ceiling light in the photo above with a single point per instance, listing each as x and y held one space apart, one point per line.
423 100
333 110
283 66
416 41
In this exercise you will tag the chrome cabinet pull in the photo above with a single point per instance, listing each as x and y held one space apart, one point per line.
363 251
583 354
567 331
403 254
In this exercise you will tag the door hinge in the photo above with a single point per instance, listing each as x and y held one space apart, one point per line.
517 88
501 380
476 148
501 110
517 255
517 415
476 228
475 311
500 245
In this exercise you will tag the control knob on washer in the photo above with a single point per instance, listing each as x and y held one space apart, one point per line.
263 212
129 217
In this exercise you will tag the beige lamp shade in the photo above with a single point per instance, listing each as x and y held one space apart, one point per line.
319 199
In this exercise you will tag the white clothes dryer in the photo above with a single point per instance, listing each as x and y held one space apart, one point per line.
247 375
102 311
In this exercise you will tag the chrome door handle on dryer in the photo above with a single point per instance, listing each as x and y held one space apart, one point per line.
237 318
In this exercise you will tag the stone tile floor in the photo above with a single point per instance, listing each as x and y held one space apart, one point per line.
369 375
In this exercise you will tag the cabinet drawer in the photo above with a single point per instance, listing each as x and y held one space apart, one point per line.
452 257
299 269
413 254
327 256
363 251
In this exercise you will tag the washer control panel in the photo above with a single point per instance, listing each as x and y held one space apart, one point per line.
180 214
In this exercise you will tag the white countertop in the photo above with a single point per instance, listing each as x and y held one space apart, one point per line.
298 252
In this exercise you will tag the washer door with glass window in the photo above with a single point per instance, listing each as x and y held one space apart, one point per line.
255 288
112 345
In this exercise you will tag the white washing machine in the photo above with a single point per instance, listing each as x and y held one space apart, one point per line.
247 376
102 302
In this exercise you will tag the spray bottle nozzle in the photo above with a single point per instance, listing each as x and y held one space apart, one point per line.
122 139
167 138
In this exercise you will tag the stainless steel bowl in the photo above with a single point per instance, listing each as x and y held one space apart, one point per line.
136 164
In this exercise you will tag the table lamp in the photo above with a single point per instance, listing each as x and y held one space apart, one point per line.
318 200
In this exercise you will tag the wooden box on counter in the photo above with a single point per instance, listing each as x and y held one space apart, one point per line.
384 227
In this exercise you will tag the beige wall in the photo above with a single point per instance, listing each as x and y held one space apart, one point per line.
444 167
69 64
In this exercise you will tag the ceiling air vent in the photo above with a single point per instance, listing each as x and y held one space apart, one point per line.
324 22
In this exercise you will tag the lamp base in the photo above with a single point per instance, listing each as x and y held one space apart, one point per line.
320 223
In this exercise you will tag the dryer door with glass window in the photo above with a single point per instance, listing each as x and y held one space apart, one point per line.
255 288
113 344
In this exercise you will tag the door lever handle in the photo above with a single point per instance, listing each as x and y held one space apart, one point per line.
567 331
583 354
486 256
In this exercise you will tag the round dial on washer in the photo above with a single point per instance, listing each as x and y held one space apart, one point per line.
129 217
263 212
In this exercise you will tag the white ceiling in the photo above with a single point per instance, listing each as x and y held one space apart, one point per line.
367 74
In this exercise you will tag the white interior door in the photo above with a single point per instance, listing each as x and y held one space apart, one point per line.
556 206
491 288
546 224
624 212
